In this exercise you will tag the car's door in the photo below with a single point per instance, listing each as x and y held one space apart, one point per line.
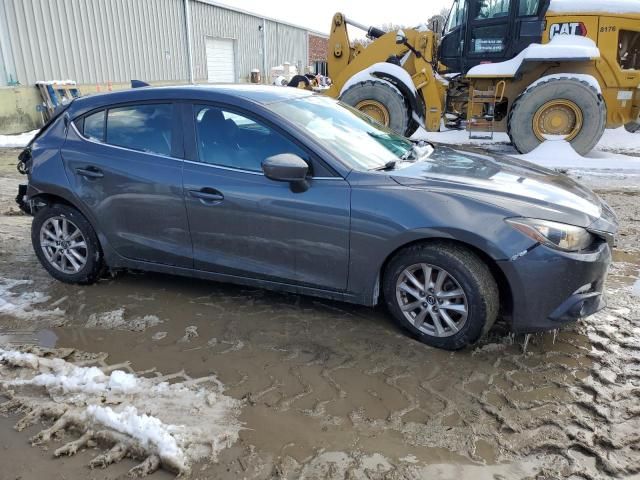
244 224
124 163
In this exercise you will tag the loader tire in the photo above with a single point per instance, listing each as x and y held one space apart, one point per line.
382 102
586 109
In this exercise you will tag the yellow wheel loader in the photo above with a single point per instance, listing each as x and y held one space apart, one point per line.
536 69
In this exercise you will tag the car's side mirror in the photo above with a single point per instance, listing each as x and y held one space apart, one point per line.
287 167
401 38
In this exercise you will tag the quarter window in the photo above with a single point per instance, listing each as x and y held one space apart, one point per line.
234 140
141 127
94 126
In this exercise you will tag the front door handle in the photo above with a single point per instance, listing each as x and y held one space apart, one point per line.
207 195
90 172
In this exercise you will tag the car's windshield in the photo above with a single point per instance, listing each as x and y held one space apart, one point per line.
356 139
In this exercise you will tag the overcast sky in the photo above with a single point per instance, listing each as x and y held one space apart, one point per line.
317 14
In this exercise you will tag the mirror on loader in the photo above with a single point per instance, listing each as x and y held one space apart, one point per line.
401 38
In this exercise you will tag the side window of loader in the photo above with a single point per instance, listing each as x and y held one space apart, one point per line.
629 50
491 9
456 17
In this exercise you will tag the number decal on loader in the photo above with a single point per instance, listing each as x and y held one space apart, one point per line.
567 28
608 28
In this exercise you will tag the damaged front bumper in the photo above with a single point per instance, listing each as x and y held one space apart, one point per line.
550 288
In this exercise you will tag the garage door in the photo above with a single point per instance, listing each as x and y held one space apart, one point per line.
221 67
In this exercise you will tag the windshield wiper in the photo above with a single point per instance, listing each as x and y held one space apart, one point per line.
390 165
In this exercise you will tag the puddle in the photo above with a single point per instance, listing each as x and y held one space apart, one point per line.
41 338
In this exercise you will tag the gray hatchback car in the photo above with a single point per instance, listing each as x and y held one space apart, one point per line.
282 189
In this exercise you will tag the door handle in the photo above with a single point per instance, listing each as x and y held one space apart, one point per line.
90 172
207 195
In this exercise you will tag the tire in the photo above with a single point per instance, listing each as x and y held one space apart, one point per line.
87 272
466 272
580 92
386 94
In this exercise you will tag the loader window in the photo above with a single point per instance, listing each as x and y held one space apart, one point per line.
629 50
489 39
528 8
456 17
491 9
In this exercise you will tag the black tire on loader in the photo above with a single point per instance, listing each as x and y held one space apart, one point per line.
376 93
568 90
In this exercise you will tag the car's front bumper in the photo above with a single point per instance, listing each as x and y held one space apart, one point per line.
550 288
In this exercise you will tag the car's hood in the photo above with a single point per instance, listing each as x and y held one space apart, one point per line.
522 187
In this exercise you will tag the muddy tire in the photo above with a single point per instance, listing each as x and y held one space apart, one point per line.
380 93
449 300
66 245
591 105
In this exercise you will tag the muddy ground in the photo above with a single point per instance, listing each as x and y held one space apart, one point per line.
331 390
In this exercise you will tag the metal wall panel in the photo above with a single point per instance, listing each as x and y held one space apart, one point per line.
286 44
93 41
100 41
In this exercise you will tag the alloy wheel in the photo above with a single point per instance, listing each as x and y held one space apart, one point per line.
63 245
432 300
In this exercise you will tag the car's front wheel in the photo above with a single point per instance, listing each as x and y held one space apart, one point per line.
444 294
66 244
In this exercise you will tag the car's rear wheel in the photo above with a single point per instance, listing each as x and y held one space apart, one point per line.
444 294
66 245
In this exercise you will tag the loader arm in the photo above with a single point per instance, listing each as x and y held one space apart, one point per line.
345 61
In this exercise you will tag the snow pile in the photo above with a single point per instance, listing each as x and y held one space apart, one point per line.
603 6
149 431
606 158
560 46
558 153
178 422
21 305
17 141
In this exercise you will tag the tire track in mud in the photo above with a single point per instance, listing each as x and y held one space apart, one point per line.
572 405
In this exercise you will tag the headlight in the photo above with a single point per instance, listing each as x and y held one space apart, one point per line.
553 234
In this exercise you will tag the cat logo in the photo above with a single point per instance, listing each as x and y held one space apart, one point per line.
567 28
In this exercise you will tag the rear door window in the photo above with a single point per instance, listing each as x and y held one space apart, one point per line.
146 128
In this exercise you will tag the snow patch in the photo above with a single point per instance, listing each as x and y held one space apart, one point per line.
604 6
182 422
17 141
579 76
116 320
21 305
560 46
381 67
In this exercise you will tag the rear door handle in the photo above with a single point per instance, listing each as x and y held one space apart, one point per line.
90 172
207 195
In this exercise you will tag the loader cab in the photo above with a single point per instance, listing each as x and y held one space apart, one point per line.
488 31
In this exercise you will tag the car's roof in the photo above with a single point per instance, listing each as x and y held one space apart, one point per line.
262 94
